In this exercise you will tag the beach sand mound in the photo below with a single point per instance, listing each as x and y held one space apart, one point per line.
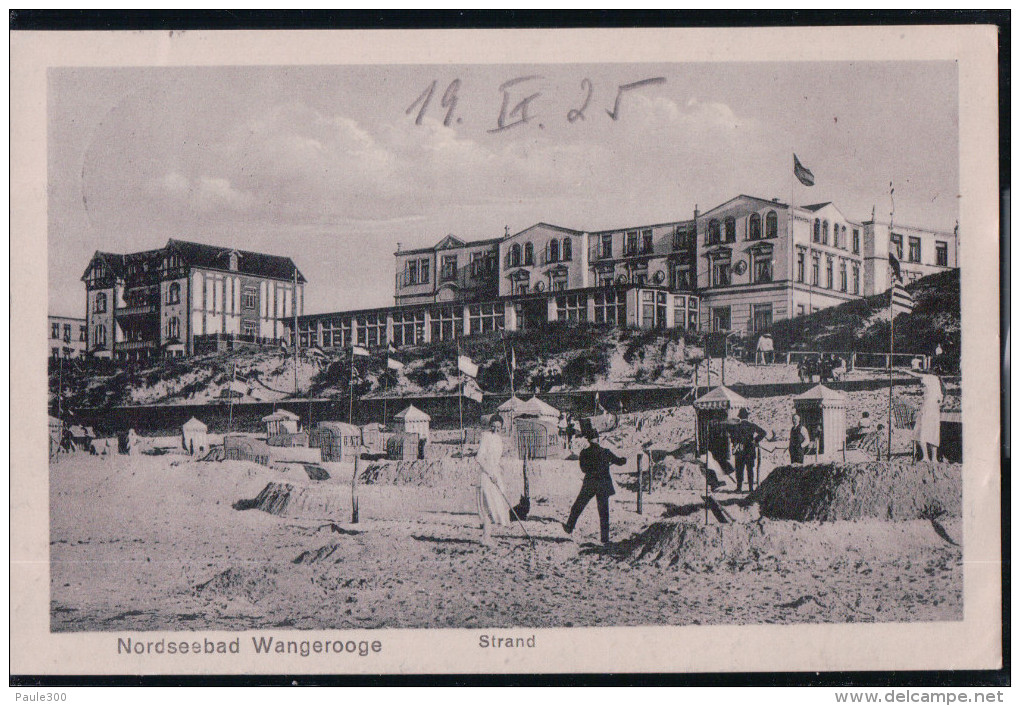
897 490
298 500
675 474
253 584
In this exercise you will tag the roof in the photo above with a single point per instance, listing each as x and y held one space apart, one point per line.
450 242
248 263
511 405
822 394
777 204
816 206
194 423
540 407
720 398
542 224
413 414
341 428
280 414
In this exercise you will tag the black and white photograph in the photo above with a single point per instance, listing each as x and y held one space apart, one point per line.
335 349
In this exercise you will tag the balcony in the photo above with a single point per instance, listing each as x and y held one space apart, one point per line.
137 310
136 345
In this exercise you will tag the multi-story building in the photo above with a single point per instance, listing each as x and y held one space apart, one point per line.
921 252
187 298
737 267
451 270
68 336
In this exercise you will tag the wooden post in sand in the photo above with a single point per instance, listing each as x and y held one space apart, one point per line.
639 460
354 488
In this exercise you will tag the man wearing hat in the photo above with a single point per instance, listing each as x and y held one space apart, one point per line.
598 483
745 437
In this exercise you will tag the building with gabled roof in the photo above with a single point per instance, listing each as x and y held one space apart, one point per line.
185 298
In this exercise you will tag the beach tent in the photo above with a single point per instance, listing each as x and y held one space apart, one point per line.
823 412
338 442
240 447
194 436
403 447
513 405
543 410
372 438
413 421
281 422
713 407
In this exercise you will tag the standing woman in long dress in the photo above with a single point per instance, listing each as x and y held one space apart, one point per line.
929 419
492 505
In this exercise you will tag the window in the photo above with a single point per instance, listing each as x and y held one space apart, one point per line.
857 242
554 250
372 330
572 307
897 245
173 294
248 328
529 254
559 285
842 237
815 270
249 298
173 328
610 307
771 225
412 272
648 309
515 255
762 268
682 277
721 318
825 232
449 268
800 265
941 254
100 336
842 275
83 334
761 317
816 234
101 302
800 310
54 353
721 273
480 264
754 227
408 327
731 229
67 333
630 243
681 238
336 332
447 323
607 246
423 270
566 251
54 330
915 249
828 273
713 232
857 278
646 241
486 318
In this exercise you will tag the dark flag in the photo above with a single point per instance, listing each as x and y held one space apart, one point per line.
895 265
803 174
900 301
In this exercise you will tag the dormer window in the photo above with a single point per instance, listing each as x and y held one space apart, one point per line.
232 261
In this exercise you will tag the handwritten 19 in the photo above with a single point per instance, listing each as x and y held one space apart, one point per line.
521 113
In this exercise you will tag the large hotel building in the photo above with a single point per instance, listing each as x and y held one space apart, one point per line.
737 267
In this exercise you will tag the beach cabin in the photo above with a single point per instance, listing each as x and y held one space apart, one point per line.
337 441
541 410
56 434
403 447
413 421
823 412
281 422
711 410
372 438
195 436
240 447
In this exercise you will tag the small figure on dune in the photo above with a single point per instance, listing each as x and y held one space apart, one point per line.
493 508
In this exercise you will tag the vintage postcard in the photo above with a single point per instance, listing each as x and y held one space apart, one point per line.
512 351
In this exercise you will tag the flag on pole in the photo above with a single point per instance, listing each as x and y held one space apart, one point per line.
467 366
803 174
900 302
472 391
394 364
358 350
513 359
895 265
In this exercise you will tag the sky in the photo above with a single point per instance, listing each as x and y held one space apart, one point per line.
334 166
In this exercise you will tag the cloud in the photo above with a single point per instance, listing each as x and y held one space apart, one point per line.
205 194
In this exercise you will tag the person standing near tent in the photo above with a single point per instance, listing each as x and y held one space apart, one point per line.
570 430
598 483
745 436
493 508
929 418
561 425
800 440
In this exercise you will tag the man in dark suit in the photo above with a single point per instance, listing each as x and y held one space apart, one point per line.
745 436
598 483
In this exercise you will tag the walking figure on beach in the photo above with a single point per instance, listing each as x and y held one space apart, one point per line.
493 508
598 483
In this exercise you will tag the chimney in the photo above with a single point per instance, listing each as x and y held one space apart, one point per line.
398 246
696 211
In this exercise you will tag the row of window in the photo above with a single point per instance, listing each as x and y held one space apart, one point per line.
854 286
914 251
726 231
482 263
820 234
56 328
761 270
524 256
408 327
761 317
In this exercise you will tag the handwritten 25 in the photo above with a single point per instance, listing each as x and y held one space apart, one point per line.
516 89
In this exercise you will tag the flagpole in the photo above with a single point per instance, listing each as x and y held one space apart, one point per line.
350 394
230 409
460 400
892 316
297 348
386 381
